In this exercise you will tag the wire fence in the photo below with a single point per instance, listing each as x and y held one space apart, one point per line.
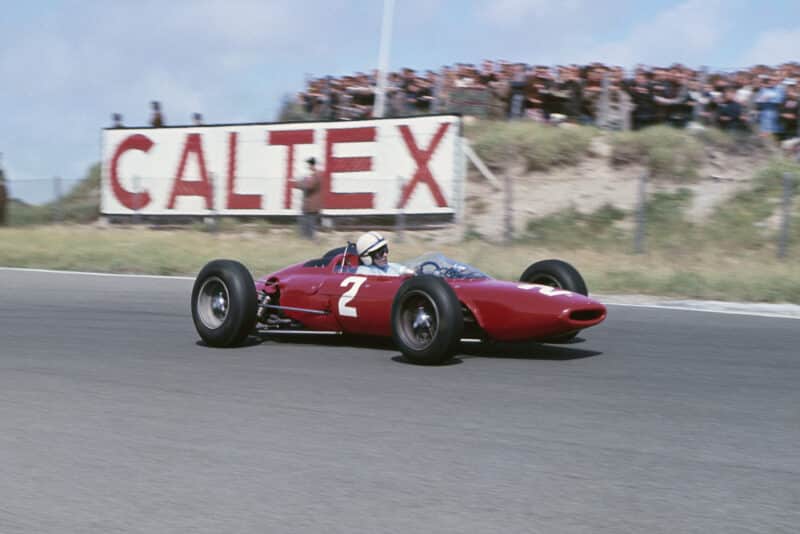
645 195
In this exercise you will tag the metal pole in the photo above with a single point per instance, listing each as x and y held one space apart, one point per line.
699 107
786 211
641 218
509 224
383 58
602 120
57 199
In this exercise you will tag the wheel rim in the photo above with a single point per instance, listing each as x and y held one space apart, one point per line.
419 320
213 303
545 280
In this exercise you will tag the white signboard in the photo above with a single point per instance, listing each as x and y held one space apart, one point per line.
369 167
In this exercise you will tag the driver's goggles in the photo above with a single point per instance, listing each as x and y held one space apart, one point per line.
383 251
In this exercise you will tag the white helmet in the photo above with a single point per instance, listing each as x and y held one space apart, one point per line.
367 244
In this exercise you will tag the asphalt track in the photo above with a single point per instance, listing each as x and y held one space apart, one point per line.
113 418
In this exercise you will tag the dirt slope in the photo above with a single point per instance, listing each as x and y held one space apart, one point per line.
592 183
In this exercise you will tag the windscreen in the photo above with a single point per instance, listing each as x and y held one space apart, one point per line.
438 264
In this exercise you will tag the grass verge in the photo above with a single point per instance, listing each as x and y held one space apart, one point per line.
751 275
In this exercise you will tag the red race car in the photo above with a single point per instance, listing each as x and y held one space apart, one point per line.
426 313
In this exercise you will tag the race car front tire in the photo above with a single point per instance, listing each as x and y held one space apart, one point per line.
224 303
427 321
558 274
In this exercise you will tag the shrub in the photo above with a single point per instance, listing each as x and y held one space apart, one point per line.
573 228
537 146
669 153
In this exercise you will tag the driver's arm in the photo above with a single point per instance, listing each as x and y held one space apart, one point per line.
406 270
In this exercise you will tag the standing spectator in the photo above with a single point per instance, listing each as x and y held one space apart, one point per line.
436 84
789 112
698 100
592 91
197 119
406 91
663 90
500 92
746 96
363 95
116 120
3 194
618 104
424 95
311 98
156 118
395 99
729 114
674 99
644 111
768 101
311 186
533 101
571 93
518 83
545 85
486 74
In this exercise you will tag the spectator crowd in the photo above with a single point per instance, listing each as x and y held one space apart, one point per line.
760 99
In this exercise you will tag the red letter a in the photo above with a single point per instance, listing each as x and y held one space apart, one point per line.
193 188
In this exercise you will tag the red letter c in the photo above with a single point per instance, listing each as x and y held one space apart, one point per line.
130 200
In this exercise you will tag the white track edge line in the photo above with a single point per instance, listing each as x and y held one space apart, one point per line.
705 310
88 273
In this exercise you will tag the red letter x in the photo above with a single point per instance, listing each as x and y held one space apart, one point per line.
422 157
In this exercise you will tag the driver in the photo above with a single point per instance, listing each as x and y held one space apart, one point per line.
373 256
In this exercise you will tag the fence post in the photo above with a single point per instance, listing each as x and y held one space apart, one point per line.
786 214
57 200
400 214
602 118
509 224
641 217
699 107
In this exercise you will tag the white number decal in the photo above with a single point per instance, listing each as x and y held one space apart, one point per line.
545 290
350 294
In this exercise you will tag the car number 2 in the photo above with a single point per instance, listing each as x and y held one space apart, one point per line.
355 284
545 290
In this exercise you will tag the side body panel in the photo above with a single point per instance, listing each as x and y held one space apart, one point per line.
513 311
357 304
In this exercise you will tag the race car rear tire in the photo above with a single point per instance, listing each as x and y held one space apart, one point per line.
559 274
427 320
224 303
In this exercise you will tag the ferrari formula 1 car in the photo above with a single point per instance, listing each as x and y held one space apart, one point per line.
427 314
